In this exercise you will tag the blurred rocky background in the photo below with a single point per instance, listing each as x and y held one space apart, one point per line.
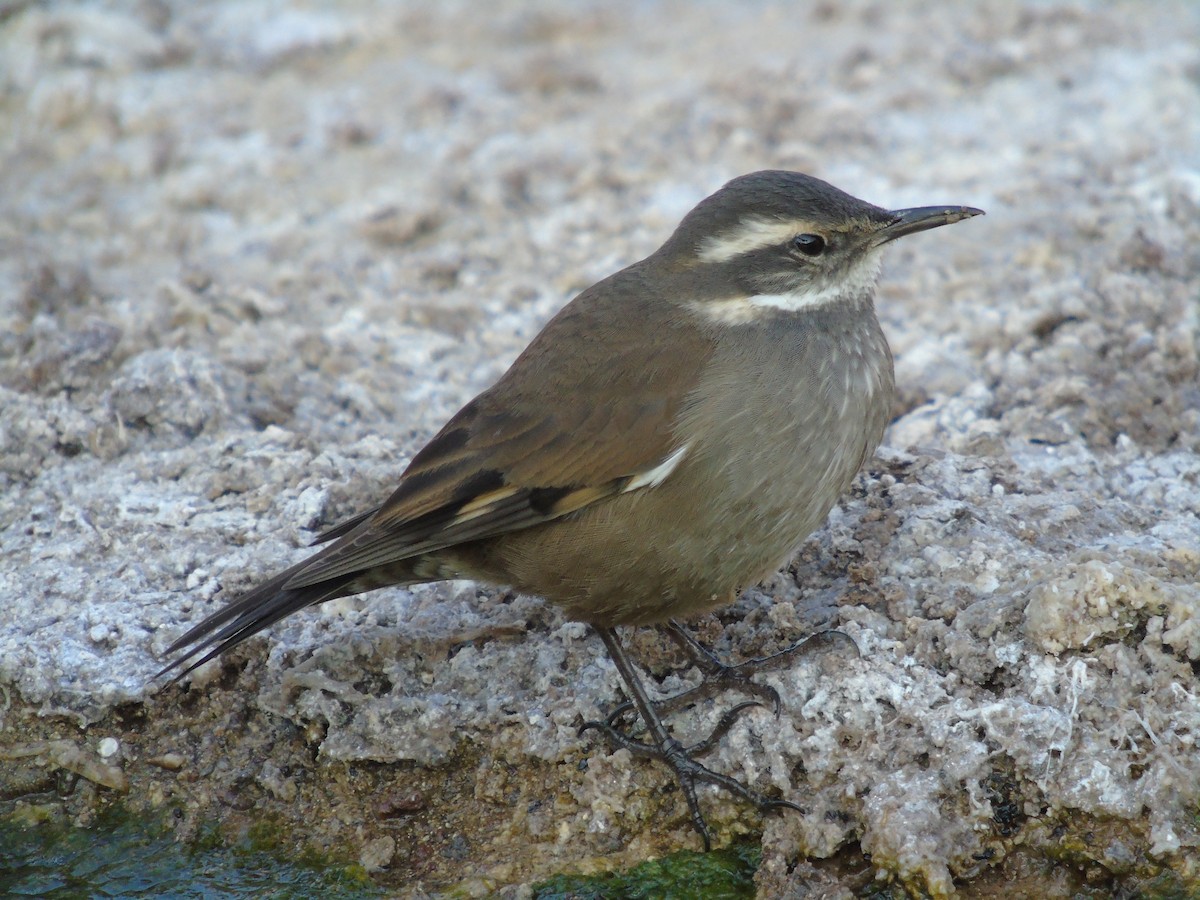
253 254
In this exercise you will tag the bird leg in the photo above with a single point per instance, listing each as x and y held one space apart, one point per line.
665 748
718 677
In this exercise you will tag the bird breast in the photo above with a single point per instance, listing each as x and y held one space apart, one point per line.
785 415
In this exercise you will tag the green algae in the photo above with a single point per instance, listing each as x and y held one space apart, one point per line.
124 855
722 875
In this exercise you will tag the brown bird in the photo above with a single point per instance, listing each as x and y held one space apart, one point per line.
670 437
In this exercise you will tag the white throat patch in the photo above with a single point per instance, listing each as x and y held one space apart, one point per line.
855 283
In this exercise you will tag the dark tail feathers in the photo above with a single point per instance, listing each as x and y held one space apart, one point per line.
248 615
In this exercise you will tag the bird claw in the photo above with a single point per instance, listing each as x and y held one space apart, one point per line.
620 739
700 748
689 773
719 676
612 732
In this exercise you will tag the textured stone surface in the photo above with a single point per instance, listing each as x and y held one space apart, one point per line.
253 254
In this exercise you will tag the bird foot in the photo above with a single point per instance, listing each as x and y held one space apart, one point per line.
689 772
719 676
611 729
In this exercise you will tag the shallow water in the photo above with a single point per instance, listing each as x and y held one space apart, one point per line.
121 856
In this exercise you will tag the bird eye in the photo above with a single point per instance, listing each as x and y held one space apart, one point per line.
809 244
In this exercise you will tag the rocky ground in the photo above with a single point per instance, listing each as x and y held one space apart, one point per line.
253 254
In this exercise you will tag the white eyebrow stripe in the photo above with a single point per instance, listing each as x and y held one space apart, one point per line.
656 476
750 234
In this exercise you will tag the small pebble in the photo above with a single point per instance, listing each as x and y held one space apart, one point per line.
377 854
172 762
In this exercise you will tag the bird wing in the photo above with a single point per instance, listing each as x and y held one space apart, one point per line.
497 466
588 411
554 435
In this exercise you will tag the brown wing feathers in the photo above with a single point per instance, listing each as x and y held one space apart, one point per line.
508 460
477 506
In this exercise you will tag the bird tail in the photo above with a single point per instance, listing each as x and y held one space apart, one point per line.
248 615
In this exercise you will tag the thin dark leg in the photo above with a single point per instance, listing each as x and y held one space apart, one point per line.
717 677
664 747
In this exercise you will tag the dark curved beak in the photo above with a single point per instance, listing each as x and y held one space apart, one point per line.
922 218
